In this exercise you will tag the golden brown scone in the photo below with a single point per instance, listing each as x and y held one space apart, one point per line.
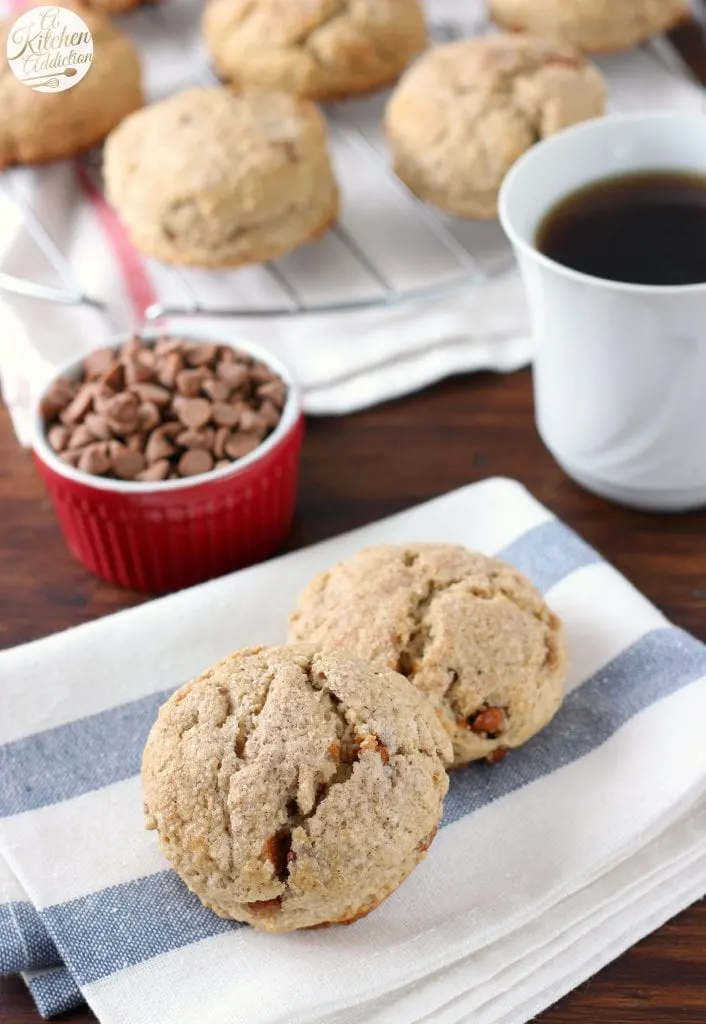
596 26
470 632
323 49
38 127
213 179
113 6
293 788
464 113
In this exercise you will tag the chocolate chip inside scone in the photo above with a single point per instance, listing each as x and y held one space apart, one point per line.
293 787
146 411
468 631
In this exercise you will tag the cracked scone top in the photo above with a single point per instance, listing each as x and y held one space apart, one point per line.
470 632
291 787
323 49
593 25
210 178
465 112
40 127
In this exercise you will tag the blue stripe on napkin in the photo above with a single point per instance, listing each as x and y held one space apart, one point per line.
549 553
79 757
99 750
24 942
54 991
133 921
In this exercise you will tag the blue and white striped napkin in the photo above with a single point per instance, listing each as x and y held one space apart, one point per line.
547 866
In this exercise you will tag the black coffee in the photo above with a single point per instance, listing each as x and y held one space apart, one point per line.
647 228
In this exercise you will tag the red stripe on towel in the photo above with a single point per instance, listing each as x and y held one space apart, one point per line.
137 283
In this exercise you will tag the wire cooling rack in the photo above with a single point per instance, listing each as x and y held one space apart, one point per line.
370 258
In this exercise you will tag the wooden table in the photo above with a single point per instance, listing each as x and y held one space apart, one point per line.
356 469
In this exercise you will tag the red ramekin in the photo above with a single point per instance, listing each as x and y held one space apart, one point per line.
160 537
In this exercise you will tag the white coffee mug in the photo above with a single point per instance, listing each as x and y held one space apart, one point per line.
619 369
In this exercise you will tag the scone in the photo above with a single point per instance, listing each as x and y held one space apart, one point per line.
323 49
213 179
38 127
471 633
113 6
464 113
596 26
293 788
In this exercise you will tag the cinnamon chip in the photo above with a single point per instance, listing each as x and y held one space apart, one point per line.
194 462
98 363
188 382
193 412
238 446
98 426
225 415
164 411
234 374
128 464
94 459
58 437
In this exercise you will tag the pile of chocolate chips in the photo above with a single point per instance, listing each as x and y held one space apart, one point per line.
175 408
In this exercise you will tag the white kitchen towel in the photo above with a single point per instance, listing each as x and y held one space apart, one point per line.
343 362
547 865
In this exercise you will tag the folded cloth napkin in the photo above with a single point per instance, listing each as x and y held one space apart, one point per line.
547 866
343 362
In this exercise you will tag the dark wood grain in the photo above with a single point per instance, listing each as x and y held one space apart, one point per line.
356 469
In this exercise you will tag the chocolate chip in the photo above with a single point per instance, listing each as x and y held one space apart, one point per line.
58 437
152 393
98 426
123 412
99 362
269 413
200 355
162 412
194 462
219 444
56 398
168 368
158 447
262 374
188 382
225 415
197 439
275 391
139 368
114 378
193 412
149 416
167 346
235 375
70 456
216 390
80 437
94 459
128 464
157 471
239 445
79 405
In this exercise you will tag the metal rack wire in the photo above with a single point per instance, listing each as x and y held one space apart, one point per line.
360 264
